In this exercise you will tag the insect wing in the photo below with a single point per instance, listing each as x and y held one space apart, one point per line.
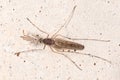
68 44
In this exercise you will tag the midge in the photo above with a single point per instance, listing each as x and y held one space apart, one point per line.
59 45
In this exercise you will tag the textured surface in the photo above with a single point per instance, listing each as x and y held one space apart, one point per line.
98 19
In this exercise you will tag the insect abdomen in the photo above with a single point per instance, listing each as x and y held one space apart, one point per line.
68 44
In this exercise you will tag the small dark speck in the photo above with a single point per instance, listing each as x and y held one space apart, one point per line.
41 7
58 61
35 15
13 9
68 50
108 2
35 78
100 33
57 77
98 71
59 66
119 44
41 78
69 78
74 50
24 61
46 67
44 0
114 14
94 64
0 24
109 50
9 1
109 54
94 24
39 11
19 20
101 68
1 6
10 67
97 79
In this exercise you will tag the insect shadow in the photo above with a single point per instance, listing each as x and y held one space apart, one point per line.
59 45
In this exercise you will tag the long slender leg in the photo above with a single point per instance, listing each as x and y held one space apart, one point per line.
66 23
44 46
37 27
90 56
81 38
31 50
66 57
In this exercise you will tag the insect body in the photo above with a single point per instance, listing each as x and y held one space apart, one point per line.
58 45
48 41
64 44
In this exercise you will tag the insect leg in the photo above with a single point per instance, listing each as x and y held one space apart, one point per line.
91 56
37 27
81 38
44 46
58 52
31 50
67 21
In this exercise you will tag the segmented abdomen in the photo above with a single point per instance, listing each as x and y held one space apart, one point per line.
64 44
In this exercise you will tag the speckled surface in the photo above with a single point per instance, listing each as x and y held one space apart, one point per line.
98 19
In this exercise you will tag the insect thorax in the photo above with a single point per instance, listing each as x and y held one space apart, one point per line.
48 41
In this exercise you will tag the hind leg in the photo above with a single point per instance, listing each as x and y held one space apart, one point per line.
60 52
80 38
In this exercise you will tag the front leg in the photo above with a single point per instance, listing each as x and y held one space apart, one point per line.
31 50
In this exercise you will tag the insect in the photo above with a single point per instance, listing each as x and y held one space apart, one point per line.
59 45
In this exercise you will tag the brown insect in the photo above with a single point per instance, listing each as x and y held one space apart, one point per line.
59 45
